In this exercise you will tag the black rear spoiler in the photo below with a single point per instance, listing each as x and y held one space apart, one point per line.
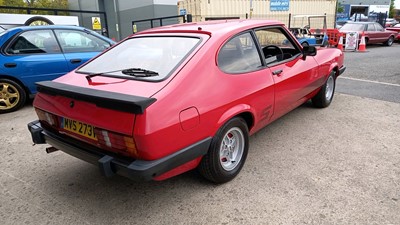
105 99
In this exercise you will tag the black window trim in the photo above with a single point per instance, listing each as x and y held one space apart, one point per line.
173 70
288 37
256 44
13 39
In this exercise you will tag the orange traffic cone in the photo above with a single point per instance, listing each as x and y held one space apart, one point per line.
361 46
340 44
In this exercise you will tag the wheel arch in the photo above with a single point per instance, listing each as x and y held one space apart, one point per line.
334 67
28 93
244 111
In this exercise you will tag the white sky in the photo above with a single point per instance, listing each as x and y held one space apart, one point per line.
397 4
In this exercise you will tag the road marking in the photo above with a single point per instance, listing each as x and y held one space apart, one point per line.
370 81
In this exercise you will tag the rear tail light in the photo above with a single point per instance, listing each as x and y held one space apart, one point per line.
48 118
116 142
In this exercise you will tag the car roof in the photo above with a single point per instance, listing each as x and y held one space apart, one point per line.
213 27
24 28
361 22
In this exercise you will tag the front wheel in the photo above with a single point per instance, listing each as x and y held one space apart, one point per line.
12 96
390 41
227 153
325 95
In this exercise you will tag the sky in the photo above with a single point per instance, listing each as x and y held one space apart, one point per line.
397 4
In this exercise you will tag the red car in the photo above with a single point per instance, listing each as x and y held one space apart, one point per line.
175 98
396 28
374 32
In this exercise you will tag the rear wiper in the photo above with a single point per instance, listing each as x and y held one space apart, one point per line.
136 72
139 72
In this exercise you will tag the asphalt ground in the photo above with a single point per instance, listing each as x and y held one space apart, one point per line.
338 165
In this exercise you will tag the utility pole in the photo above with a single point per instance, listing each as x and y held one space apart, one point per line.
251 8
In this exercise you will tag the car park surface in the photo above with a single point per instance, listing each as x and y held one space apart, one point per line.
36 53
119 119
338 165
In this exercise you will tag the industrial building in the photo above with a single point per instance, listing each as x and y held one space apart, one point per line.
203 10
119 14
363 7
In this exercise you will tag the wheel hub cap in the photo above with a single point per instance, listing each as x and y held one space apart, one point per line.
9 96
231 150
330 85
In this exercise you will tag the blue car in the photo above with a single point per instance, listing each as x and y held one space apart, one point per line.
35 53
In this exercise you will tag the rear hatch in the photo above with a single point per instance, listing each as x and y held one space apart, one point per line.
98 102
102 118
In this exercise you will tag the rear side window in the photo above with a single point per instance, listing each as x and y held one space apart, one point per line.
371 27
78 41
34 42
239 55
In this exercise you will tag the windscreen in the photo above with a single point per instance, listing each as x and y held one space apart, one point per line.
161 55
352 27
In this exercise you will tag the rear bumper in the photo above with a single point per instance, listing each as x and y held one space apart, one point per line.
110 165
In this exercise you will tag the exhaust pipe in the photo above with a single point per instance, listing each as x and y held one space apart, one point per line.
51 149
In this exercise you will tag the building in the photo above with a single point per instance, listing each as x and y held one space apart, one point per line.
203 10
116 22
363 8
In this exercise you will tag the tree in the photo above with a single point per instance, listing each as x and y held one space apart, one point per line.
15 3
392 10
51 4
339 7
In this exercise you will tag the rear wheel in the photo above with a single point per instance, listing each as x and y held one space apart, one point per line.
325 95
12 96
305 44
390 41
227 153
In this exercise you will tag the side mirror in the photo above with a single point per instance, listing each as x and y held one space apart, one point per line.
309 50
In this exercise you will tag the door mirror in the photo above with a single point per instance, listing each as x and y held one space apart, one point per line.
309 50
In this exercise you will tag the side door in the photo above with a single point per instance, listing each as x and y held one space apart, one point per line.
79 46
34 56
373 35
245 78
295 77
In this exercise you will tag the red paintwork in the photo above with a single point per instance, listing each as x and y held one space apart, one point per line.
396 29
199 98
373 37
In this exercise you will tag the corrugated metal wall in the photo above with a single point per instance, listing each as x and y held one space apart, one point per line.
208 9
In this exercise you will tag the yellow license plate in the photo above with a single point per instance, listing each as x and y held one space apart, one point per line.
78 127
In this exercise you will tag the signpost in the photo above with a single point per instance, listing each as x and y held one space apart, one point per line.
279 5
96 24
351 41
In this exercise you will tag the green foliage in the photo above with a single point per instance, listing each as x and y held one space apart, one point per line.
392 10
339 7
50 4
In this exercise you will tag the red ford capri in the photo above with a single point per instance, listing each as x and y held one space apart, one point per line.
168 100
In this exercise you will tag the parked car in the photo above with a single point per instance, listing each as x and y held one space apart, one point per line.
171 99
373 32
35 53
390 22
340 23
309 29
395 28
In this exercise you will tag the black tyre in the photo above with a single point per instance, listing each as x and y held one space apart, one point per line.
324 97
12 96
390 41
38 21
305 44
227 153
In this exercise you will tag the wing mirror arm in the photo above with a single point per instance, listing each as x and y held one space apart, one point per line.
309 50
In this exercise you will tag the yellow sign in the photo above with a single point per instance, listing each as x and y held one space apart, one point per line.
96 24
